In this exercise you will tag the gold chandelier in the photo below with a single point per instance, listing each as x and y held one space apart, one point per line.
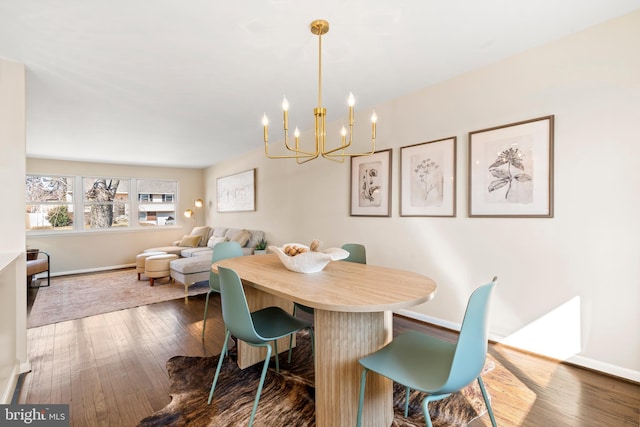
318 27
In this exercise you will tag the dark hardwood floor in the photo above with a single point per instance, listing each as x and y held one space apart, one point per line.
110 368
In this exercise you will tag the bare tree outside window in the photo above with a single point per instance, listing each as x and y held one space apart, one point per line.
101 196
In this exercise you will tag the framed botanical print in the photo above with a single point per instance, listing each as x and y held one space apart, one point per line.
371 184
428 178
511 170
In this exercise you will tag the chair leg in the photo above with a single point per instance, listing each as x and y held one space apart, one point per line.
425 410
406 402
215 377
363 381
206 307
291 336
150 281
275 345
425 405
262 377
313 342
487 402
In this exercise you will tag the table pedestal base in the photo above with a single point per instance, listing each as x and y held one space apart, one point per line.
341 340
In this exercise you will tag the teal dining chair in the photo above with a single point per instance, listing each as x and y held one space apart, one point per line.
222 250
433 366
256 328
357 253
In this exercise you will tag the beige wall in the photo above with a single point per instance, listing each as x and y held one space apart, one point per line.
103 250
568 286
13 298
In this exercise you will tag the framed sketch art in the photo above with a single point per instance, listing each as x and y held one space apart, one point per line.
428 178
236 193
371 184
511 170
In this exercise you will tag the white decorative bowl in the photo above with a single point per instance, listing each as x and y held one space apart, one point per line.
308 262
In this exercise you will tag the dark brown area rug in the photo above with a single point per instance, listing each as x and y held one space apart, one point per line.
287 397
82 295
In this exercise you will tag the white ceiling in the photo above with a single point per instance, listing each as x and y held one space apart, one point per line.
185 83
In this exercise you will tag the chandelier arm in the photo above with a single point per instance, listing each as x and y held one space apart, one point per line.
342 147
306 160
329 154
337 159
291 156
298 151
338 154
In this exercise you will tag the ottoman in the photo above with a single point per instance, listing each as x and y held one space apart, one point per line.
141 258
191 270
157 266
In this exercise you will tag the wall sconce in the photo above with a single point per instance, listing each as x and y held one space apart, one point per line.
198 203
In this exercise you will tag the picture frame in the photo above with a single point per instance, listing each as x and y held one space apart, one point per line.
428 178
511 170
370 190
237 192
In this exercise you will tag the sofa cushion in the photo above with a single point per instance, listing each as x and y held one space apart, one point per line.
203 232
219 231
190 241
190 252
214 240
240 236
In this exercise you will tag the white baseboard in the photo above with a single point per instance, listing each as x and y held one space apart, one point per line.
88 270
585 362
9 384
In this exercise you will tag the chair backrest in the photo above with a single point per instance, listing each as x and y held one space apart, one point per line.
222 250
471 349
357 253
235 310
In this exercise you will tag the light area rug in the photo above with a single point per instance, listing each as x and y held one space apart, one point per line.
287 398
84 295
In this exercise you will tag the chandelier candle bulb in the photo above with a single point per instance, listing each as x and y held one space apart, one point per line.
265 124
351 101
285 109
374 120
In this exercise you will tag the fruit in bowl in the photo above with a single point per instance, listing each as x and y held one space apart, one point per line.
303 259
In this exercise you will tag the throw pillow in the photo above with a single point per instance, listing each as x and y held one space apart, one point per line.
203 232
215 240
189 241
242 237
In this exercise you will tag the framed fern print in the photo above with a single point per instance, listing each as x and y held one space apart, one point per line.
428 178
511 170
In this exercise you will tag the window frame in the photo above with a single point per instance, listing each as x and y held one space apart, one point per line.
79 203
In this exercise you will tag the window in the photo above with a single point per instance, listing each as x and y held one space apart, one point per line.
105 203
49 202
156 202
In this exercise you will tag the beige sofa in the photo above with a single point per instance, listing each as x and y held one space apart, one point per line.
194 263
